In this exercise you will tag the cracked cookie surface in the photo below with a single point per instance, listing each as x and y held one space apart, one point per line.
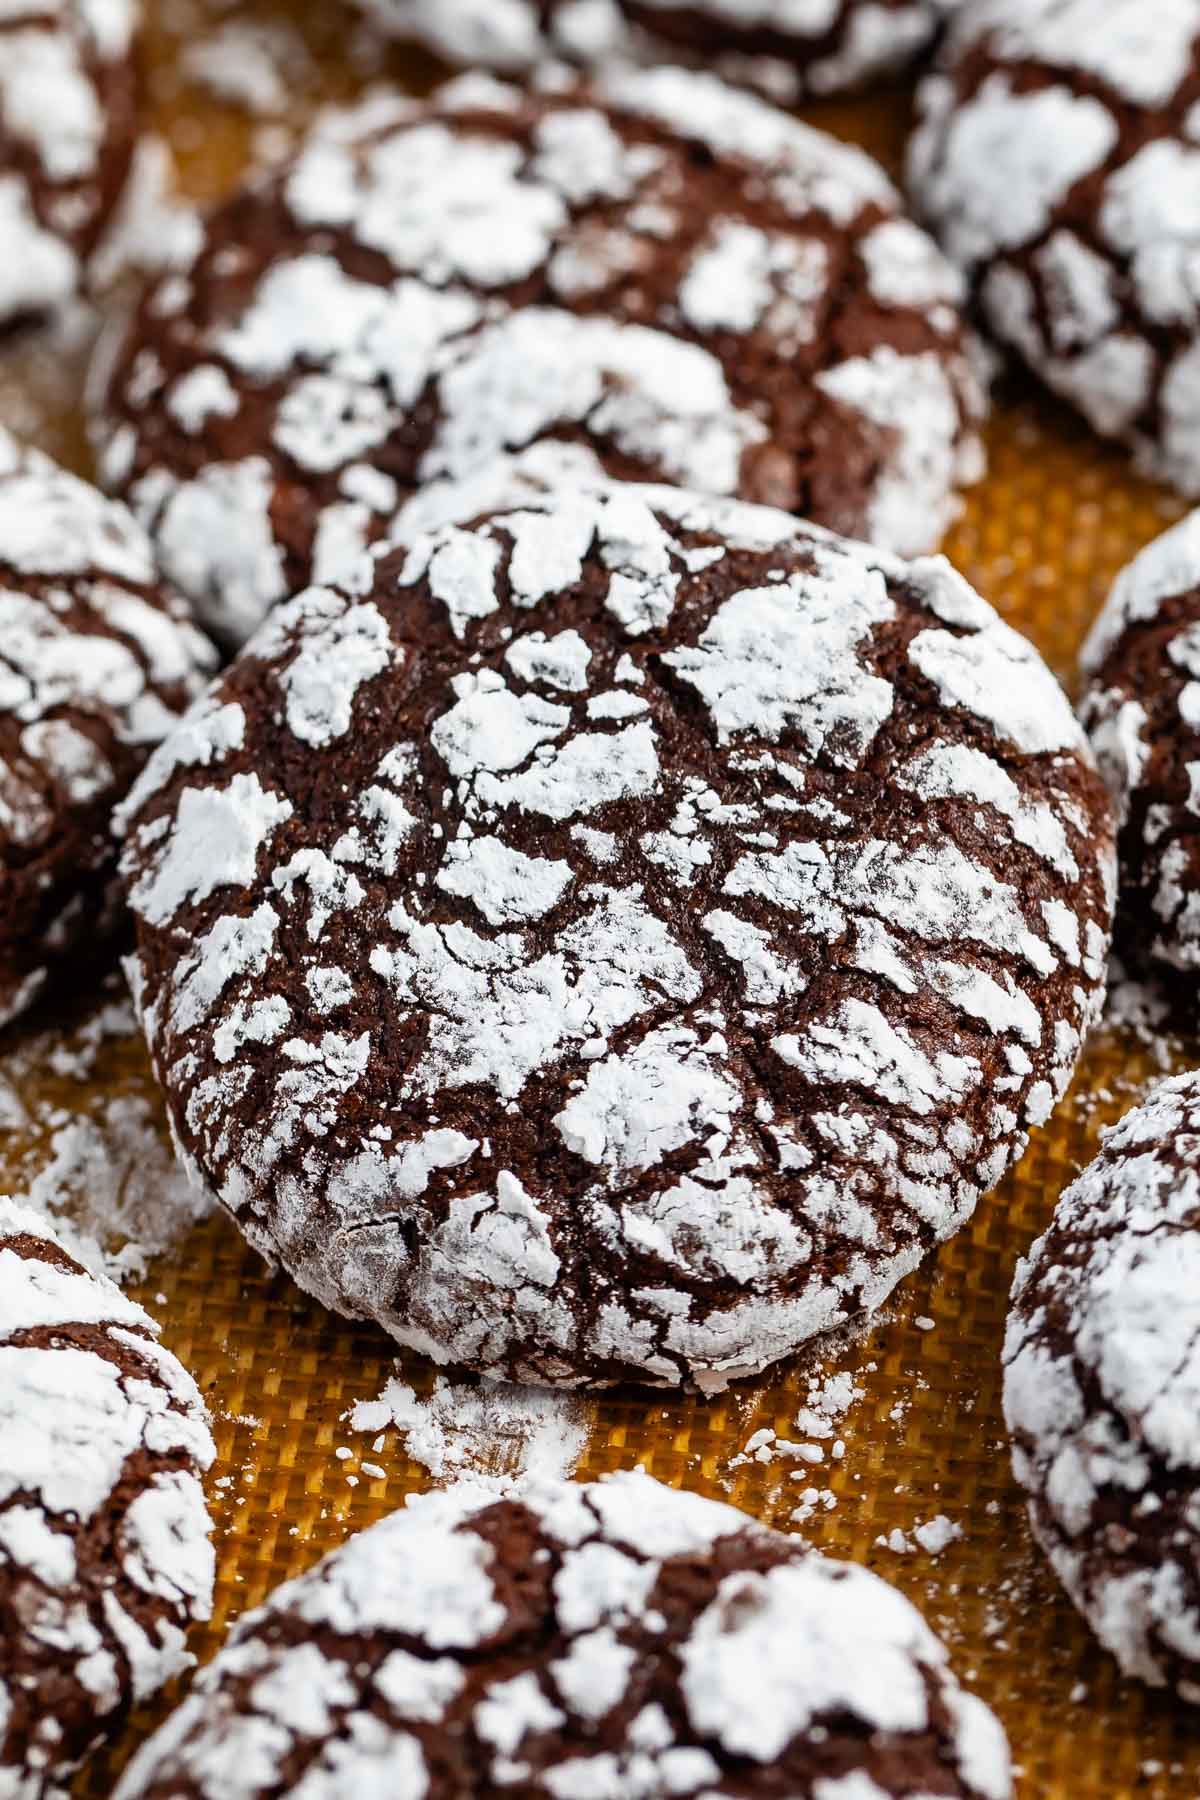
1058 159
105 1558
671 275
621 937
98 661
614 1641
68 131
1102 1379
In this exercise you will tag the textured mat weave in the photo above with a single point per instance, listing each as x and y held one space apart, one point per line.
1042 539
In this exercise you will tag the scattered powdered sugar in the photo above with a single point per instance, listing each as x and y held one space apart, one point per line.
933 1537
501 1434
86 1146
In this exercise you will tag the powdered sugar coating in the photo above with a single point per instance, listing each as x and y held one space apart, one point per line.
658 269
785 47
642 998
67 134
1142 710
104 1535
1057 160
97 662
1102 1383
613 1640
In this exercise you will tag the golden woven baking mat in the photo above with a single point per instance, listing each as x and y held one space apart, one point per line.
1042 539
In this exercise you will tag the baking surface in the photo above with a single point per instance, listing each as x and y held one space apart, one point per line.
924 1439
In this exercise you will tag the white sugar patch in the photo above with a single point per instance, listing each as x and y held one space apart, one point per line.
503 1435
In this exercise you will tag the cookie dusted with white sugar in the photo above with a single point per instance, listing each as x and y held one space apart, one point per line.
620 1640
1142 709
621 938
1102 1381
97 662
814 47
1058 158
68 132
105 1557
674 275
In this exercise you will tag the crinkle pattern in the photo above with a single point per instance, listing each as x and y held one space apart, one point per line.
1142 710
1058 159
672 275
105 1557
68 128
1102 1389
615 1641
619 937
98 660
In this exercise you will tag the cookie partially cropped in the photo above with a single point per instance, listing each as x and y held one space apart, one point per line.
1142 710
1102 1389
98 660
672 274
1058 159
68 131
820 47
105 1559
620 939
611 1640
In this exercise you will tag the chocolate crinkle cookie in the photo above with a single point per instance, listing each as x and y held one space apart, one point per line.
621 938
662 270
1142 709
97 662
105 1557
814 47
1058 158
1102 1389
68 133
614 1641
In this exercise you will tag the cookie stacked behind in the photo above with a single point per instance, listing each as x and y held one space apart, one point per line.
618 938
1058 160
68 132
613 1640
824 47
104 1552
666 274
1142 709
98 660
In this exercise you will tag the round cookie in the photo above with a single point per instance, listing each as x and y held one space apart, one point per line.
68 130
97 661
615 1640
820 47
666 271
1058 158
105 1557
619 939
1142 710
1102 1385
